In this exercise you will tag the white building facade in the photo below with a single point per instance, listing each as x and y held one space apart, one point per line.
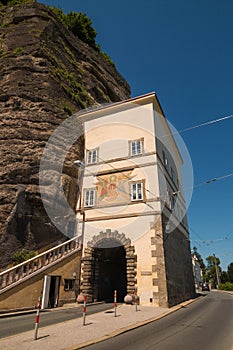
197 272
132 210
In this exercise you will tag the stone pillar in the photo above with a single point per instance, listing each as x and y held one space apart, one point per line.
131 272
87 274
159 279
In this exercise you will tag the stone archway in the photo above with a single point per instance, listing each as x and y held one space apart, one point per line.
116 247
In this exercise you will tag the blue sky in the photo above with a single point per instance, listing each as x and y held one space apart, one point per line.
183 51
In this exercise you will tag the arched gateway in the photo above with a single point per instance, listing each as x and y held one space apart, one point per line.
108 264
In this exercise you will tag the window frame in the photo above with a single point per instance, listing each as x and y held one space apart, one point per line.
87 203
165 160
90 153
172 174
131 142
142 191
69 284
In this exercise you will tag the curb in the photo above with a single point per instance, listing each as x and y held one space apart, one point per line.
12 313
133 326
17 313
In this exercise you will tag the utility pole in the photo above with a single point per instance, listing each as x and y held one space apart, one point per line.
217 270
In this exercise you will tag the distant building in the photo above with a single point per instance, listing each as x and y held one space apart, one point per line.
197 272
132 210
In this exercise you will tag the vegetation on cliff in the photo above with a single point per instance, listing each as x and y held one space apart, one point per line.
78 23
46 74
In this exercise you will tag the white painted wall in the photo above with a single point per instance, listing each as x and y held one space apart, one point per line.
111 134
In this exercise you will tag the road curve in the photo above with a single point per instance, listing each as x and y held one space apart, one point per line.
205 324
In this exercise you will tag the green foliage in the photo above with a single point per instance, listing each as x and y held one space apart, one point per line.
4 24
224 277
72 87
107 58
211 261
22 256
68 110
230 272
81 26
18 51
210 273
199 258
226 286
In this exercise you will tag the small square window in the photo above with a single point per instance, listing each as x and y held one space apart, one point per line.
165 160
137 191
172 174
92 156
136 147
171 201
89 197
68 284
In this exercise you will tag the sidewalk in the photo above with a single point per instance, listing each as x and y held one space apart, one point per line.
72 334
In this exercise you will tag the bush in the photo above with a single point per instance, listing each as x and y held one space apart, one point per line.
22 256
226 286
81 26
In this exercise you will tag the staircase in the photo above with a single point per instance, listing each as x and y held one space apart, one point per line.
16 274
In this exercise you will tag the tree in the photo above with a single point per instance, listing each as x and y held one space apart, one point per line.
80 25
230 272
199 258
213 268
22 255
224 277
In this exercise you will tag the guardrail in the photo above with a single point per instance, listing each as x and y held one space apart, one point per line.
23 271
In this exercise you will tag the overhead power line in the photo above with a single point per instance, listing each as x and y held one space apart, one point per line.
213 121
206 182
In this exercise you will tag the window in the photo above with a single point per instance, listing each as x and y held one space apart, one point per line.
92 156
136 147
171 201
68 284
89 197
137 191
172 174
165 160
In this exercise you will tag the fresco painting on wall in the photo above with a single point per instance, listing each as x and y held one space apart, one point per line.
113 188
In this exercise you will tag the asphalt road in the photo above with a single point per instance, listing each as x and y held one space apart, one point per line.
22 323
205 324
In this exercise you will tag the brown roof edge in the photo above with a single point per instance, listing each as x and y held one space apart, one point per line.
115 104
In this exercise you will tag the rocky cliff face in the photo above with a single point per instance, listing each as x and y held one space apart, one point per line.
46 74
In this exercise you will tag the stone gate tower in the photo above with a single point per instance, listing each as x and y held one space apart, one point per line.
132 212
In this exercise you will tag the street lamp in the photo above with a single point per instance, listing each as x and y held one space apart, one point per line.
79 163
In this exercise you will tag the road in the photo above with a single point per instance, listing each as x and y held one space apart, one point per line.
22 323
205 324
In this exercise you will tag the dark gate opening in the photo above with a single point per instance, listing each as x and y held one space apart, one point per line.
110 273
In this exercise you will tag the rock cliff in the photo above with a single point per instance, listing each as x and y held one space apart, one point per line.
46 74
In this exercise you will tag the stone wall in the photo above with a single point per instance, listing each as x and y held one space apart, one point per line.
26 293
89 274
178 262
159 282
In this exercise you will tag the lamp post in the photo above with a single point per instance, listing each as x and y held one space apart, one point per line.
81 165
80 209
